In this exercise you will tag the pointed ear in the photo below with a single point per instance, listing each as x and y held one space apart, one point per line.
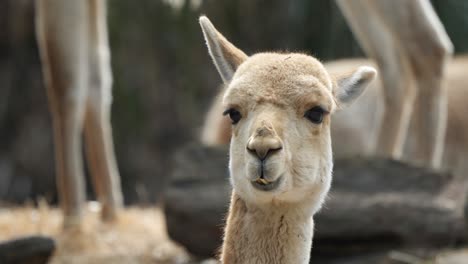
226 56
351 86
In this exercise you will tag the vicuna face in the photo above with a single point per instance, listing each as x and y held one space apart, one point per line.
280 107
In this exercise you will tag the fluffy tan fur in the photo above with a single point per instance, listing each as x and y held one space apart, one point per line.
274 143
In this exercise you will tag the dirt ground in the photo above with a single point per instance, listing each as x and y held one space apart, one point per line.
139 235
452 257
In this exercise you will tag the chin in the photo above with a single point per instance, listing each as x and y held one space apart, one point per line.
258 193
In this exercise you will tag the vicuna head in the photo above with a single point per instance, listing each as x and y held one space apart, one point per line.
280 107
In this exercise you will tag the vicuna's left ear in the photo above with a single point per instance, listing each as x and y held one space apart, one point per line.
225 55
350 87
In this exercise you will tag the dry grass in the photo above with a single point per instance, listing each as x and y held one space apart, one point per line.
457 256
139 235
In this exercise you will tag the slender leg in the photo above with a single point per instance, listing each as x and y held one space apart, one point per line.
61 37
421 38
410 45
98 130
398 93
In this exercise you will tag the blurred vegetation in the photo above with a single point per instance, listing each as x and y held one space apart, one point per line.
163 78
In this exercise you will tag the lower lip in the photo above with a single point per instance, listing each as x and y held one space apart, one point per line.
267 187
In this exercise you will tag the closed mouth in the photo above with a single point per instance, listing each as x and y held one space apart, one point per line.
264 185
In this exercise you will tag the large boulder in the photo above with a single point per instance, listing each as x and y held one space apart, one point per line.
374 205
197 199
383 203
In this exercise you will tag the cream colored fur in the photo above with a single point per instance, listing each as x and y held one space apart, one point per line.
275 143
73 44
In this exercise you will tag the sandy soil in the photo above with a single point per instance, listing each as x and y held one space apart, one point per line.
459 256
139 235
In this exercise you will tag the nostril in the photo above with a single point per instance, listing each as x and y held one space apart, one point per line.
263 153
275 149
251 151
272 151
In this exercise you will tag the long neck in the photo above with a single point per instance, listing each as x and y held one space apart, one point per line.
266 235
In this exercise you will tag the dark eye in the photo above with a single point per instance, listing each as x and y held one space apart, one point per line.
315 114
234 115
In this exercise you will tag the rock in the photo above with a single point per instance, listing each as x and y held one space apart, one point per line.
196 201
375 205
414 256
6 176
27 250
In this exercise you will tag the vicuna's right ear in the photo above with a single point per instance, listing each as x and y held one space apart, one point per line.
226 56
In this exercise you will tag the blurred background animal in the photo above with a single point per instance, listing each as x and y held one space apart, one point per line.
411 49
354 131
73 42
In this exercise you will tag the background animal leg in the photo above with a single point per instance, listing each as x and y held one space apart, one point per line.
398 93
60 33
98 130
